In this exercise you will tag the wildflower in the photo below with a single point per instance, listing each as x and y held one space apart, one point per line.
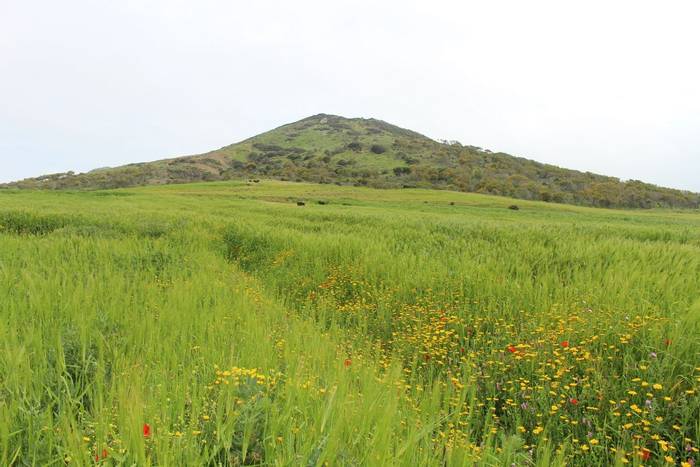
512 349
573 401
103 457
667 342
146 430
565 344
657 387
645 454
347 362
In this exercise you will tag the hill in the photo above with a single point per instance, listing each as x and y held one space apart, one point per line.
369 152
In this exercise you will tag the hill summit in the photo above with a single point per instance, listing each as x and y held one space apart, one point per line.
332 149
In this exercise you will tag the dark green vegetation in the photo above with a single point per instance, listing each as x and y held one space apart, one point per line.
369 152
224 324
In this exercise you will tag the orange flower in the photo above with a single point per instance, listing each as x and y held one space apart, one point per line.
347 362
565 344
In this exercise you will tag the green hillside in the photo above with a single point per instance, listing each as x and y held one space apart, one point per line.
369 152
224 324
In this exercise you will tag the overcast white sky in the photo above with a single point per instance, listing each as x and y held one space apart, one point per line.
607 86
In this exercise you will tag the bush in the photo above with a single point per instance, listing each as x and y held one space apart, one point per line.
377 149
355 146
402 171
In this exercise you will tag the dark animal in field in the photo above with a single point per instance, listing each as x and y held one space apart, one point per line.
514 207
301 203
452 203
322 202
256 181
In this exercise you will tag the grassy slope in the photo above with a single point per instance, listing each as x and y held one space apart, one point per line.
112 322
331 149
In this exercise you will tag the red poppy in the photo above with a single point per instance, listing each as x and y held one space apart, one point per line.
646 454
347 362
104 455
565 344
573 401
146 430
512 349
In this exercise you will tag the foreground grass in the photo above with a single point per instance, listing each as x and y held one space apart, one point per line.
223 324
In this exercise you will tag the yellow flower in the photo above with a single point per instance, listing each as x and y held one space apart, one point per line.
593 442
657 387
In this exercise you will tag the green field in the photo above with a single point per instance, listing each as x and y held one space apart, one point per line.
223 324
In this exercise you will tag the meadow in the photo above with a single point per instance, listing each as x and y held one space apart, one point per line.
224 324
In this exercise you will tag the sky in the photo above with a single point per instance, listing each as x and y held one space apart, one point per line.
611 87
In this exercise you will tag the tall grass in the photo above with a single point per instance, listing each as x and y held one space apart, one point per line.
222 324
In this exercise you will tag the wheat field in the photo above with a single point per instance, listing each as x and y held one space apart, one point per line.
273 323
